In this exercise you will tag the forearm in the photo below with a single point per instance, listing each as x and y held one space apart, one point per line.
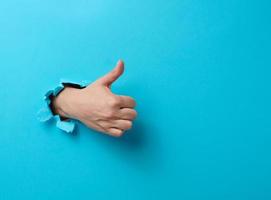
62 104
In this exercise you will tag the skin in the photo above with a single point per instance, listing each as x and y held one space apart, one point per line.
96 106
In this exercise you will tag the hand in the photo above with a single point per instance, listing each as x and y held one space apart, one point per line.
96 106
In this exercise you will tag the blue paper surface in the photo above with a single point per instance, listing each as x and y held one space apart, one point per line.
199 70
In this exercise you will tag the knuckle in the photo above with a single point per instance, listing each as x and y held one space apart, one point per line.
128 124
104 125
118 134
134 102
115 133
109 114
114 101
134 114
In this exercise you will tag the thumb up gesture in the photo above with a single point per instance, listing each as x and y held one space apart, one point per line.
96 106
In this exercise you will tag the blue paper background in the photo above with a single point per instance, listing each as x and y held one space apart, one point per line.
199 70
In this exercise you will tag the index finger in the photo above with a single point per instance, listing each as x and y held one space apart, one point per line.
127 102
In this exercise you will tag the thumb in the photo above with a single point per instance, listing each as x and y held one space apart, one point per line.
113 75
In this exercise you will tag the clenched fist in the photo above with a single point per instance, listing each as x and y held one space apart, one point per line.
96 106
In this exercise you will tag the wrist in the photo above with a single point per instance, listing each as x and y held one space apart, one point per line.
62 104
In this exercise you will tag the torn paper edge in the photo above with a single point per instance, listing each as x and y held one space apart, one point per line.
45 113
